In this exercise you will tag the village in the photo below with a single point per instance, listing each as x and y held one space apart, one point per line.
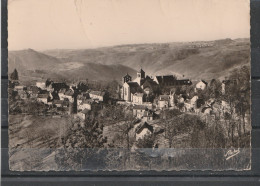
146 99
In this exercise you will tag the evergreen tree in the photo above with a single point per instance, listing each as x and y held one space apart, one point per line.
14 75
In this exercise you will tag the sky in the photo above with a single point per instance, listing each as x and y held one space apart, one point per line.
74 24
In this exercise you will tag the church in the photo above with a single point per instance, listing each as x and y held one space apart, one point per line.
145 86
132 87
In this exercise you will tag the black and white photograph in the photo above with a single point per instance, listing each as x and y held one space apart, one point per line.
129 85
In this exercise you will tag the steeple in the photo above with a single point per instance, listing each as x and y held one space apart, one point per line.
127 78
141 74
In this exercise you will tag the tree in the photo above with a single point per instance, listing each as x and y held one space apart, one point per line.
14 75
214 89
123 131
143 155
48 82
168 114
81 146
112 88
83 86
237 98
170 130
122 134
146 142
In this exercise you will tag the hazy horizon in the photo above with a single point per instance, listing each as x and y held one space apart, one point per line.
126 44
81 24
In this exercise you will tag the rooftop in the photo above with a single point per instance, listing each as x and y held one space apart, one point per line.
139 94
165 79
140 107
34 89
69 92
57 102
87 101
83 96
148 114
97 93
127 75
43 95
63 90
85 111
203 81
140 128
164 97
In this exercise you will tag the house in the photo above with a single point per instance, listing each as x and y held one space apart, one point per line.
171 81
64 110
57 86
83 114
58 103
206 110
142 130
81 97
182 82
85 104
69 94
138 111
165 80
23 94
19 88
43 98
201 85
193 101
150 87
54 95
181 98
61 93
188 106
41 85
66 103
148 116
49 102
138 98
33 91
98 96
163 101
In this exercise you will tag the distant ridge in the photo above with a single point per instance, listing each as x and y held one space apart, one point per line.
195 60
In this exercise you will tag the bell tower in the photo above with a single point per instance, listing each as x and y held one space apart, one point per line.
126 78
140 76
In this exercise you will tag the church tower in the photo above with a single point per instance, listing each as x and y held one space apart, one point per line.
126 78
140 76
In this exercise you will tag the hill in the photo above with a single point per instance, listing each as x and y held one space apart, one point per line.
30 60
195 60
33 65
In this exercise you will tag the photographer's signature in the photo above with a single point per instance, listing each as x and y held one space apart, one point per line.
231 153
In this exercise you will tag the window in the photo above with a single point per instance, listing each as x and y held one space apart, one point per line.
125 91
